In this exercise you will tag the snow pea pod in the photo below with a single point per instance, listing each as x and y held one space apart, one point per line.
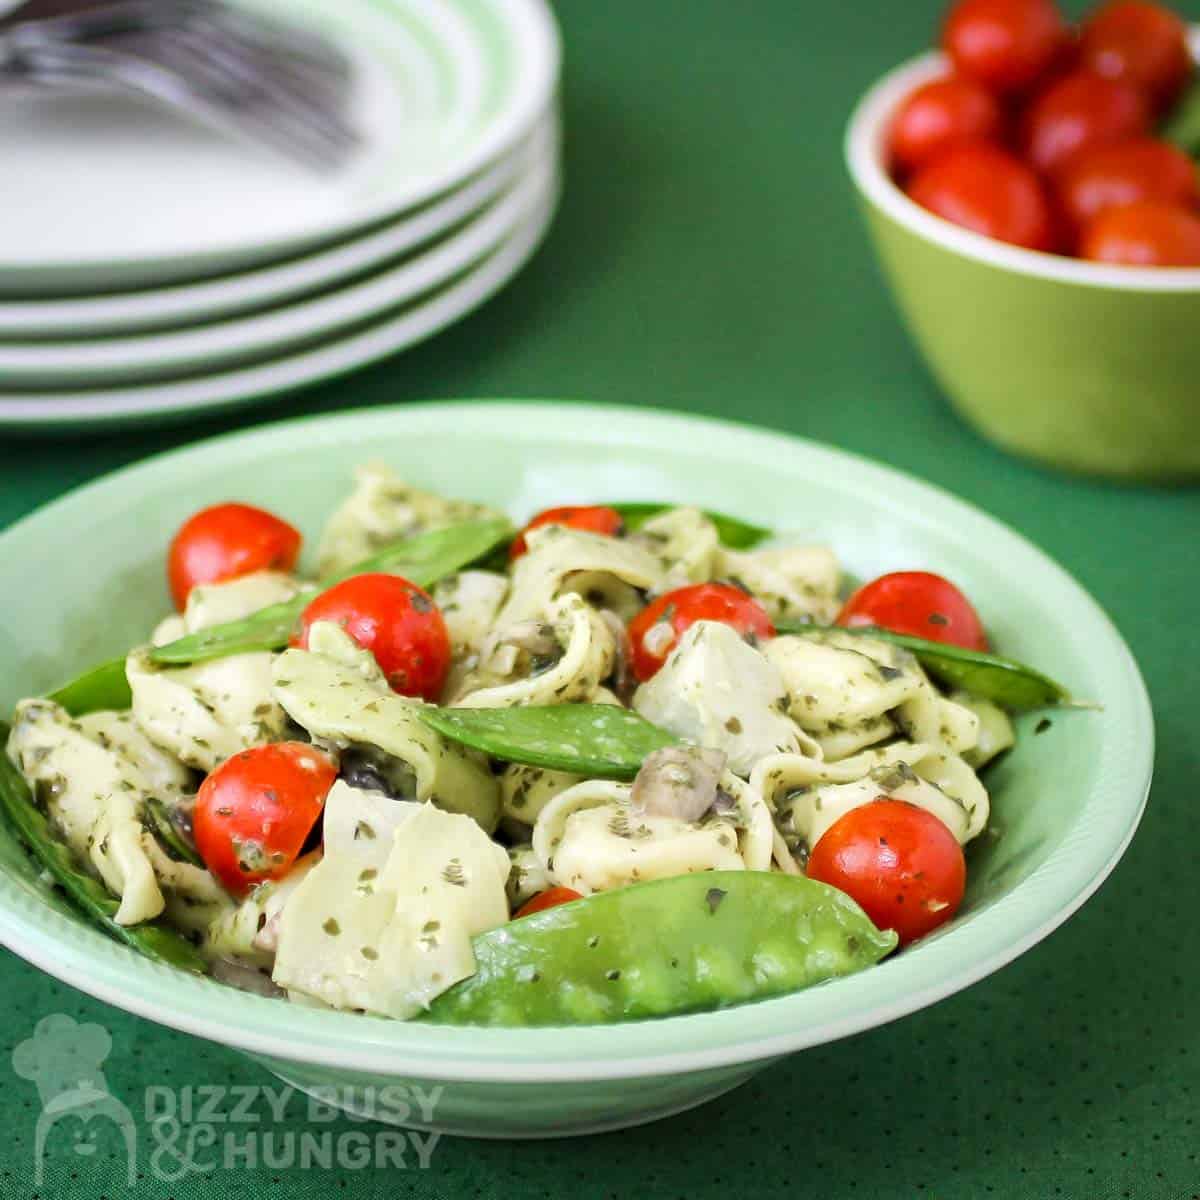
422 559
155 940
597 740
1005 681
103 687
165 827
733 531
658 949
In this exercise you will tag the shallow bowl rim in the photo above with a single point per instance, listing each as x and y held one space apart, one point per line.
945 964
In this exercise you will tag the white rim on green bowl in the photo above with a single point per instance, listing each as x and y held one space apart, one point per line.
964 953
865 150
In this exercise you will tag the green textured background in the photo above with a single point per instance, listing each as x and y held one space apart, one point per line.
708 257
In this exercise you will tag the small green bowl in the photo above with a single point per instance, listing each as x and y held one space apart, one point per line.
1065 802
1086 367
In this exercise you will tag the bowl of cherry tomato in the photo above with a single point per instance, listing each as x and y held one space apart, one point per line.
1033 196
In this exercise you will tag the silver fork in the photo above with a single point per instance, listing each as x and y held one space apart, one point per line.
199 57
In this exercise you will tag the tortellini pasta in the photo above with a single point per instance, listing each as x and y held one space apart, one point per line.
851 691
204 713
791 583
593 837
382 509
93 776
716 690
336 693
606 572
584 654
423 844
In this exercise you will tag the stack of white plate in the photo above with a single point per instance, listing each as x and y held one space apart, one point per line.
149 268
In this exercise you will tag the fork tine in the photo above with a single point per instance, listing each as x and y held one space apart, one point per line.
225 68
141 76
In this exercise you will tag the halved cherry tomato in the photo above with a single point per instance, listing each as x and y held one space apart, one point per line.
1143 235
654 632
1105 177
900 863
1079 111
593 518
919 604
988 190
1142 44
396 621
255 811
939 115
550 898
1007 45
225 542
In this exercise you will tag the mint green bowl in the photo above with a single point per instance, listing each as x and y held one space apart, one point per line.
1079 365
1066 802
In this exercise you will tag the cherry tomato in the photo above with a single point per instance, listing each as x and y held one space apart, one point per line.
550 898
899 862
941 114
1007 45
1079 111
255 811
1143 235
986 189
1105 177
919 604
396 621
1142 44
594 518
225 542
654 632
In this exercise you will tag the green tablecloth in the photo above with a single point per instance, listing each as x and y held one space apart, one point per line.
708 257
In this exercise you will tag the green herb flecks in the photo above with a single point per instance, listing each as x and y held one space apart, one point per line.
1005 681
733 531
422 559
684 944
155 940
597 740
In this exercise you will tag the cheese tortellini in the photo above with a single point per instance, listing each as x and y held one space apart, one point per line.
424 843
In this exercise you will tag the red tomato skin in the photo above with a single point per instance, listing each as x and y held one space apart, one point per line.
255 811
901 865
1007 45
989 191
1142 44
1143 235
227 541
1077 112
396 621
685 606
942 114
591 518
1104 177
550 898
917 603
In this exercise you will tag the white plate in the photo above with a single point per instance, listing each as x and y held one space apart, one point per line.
104 193
207 348
232 294
190 397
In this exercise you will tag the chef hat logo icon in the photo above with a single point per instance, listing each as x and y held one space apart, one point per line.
65 1060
